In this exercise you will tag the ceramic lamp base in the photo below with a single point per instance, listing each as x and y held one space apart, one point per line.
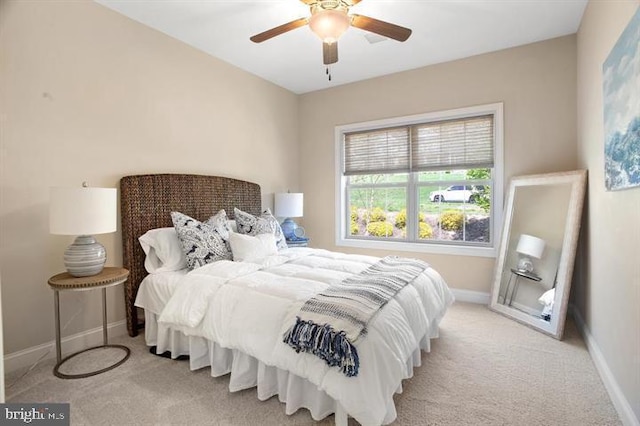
289 228
85 257
525 264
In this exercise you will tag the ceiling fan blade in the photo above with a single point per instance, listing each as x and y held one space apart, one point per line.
259 38
330 53
382 28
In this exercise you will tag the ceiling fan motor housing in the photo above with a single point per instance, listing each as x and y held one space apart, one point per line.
332 5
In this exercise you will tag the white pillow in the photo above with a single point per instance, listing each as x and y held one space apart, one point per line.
247 248
163 250
548 297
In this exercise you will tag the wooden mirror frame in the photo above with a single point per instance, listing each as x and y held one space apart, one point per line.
577 180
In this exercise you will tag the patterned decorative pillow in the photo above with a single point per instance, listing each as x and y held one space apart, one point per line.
203 243
249 224
220 222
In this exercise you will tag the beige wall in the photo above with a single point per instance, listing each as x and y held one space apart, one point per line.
536 83
608 288
88 94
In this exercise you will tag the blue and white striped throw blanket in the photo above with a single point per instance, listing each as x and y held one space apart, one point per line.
329 323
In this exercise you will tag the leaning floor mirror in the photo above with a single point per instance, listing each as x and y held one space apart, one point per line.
534 267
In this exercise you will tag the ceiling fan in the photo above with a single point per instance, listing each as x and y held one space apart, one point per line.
329 20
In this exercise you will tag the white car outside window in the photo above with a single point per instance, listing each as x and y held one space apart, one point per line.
459 193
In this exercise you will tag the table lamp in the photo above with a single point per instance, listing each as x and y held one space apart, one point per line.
529 246
289 205
83 211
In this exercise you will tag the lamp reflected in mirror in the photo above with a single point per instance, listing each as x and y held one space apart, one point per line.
529 246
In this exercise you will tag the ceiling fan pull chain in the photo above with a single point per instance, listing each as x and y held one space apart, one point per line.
328 73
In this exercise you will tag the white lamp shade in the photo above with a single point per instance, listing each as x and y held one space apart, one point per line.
83 211
530 246
289 204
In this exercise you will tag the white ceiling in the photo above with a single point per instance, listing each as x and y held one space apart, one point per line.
443 30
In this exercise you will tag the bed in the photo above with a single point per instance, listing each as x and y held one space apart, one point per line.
264 297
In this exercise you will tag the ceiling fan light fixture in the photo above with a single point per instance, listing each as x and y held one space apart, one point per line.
329 25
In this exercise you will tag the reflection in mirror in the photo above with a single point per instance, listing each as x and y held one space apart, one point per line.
535 262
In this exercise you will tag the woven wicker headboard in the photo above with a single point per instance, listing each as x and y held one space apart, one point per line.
147 201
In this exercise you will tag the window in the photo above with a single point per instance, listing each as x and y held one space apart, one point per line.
431 182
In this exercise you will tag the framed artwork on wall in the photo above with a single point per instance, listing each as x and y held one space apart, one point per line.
621 90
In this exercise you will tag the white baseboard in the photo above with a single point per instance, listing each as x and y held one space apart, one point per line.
618 399
471 296
27 357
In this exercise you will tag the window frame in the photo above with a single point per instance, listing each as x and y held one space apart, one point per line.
436 247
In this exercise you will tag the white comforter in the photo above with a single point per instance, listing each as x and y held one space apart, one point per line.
249 306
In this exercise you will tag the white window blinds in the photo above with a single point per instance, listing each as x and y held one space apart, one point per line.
377 151
464 143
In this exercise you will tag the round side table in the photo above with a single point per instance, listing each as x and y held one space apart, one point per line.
516 273
109 277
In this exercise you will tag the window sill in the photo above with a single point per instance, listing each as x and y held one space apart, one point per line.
417 247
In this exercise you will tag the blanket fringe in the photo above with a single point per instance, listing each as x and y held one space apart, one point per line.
323 341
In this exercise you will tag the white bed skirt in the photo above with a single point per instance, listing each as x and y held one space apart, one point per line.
247 372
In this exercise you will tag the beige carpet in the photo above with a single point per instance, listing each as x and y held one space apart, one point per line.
483 370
